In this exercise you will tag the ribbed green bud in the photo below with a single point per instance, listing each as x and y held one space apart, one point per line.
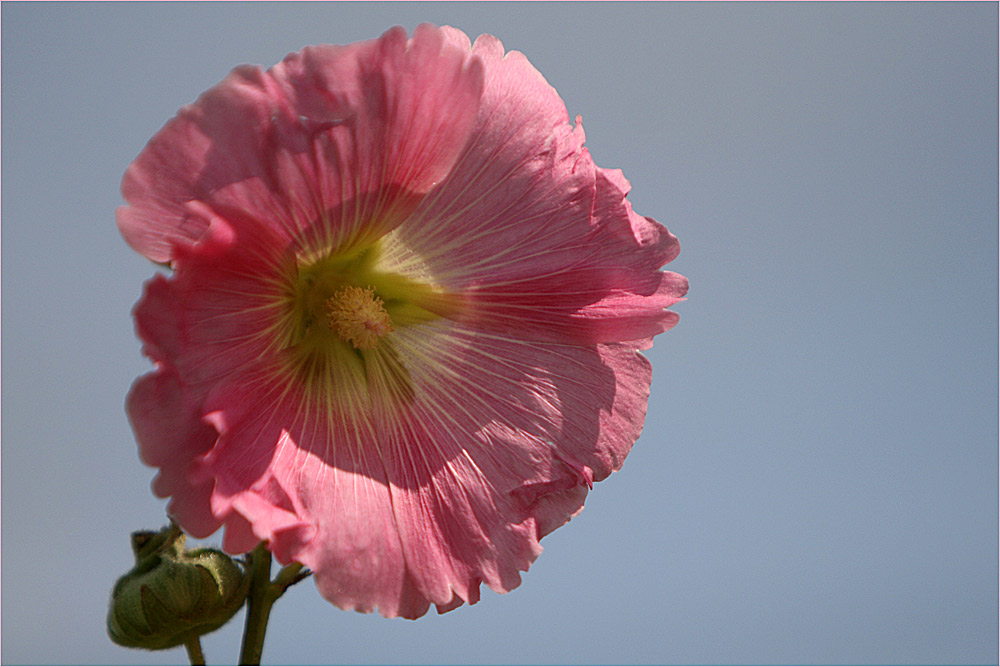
173 595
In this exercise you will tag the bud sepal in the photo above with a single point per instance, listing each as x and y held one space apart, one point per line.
173 595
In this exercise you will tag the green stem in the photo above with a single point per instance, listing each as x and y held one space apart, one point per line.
263 594
259 603
195 656
290 574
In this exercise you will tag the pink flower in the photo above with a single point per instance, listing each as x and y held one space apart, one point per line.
401 337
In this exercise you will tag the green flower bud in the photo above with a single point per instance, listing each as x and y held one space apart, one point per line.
173 595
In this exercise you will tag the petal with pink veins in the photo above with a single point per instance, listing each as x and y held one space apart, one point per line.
353 134
401 340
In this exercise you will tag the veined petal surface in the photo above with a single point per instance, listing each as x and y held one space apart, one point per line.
441 186
354 134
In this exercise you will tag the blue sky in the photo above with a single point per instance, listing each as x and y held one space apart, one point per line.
817 478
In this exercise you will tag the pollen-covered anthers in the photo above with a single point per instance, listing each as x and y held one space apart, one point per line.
358 316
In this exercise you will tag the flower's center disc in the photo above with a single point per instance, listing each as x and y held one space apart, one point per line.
358 316
341 316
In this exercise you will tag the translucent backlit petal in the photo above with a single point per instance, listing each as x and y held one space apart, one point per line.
401 340
352 135
538 238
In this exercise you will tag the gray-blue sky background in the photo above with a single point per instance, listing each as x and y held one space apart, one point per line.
817 479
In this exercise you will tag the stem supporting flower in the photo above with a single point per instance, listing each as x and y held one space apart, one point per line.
263 594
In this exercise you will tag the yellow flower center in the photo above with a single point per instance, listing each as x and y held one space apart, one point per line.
358 316
338 311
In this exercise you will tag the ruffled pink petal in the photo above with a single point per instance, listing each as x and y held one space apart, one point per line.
208 322
539 240
171 436
225 289
343 140
613 291
500 447
314 486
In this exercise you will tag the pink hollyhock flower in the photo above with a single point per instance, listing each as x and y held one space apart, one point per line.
401 337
